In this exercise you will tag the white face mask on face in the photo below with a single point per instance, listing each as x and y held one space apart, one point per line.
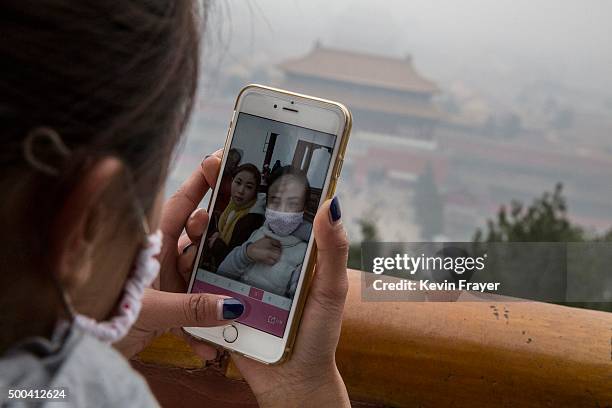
283 223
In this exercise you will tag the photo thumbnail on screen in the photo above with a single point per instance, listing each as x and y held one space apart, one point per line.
261 222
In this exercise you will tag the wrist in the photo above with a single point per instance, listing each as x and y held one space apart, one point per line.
248 252
316 391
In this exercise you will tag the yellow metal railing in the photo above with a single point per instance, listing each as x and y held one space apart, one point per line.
464 354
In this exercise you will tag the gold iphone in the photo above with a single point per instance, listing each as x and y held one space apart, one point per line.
282 159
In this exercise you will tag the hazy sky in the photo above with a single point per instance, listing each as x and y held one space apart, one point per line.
567 41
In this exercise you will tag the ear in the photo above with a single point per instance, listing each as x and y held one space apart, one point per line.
78 221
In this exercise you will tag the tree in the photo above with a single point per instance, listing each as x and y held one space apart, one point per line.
428 205
544 221
369 233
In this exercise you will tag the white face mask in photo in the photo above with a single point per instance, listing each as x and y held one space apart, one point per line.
283 223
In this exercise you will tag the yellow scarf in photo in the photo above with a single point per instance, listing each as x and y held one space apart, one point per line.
230 216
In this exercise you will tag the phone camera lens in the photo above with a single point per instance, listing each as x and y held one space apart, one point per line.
275 106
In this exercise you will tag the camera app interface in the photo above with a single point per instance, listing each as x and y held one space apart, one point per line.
261 222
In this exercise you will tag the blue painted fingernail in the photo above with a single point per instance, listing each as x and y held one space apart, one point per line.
232 309
334 210
204 159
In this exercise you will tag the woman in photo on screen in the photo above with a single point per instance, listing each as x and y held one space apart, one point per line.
272 257
243 214
234 156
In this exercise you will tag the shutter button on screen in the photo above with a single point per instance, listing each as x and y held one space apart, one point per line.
230 333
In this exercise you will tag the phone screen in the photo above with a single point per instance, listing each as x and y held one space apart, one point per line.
261 221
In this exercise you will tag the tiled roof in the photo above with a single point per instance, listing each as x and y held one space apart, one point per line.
360 68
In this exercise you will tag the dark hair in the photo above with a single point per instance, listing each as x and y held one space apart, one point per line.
298 174
111 79
233 150
249 168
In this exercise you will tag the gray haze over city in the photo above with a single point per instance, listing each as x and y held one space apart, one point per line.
521 40
526 82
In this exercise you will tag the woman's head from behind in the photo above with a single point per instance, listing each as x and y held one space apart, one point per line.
116 82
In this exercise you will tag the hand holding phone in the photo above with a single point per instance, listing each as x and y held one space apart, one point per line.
312 365
282 159
166 306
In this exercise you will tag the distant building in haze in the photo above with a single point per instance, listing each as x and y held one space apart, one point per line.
386 95
394 120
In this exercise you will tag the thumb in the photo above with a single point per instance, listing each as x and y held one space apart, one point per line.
330 284
166 310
